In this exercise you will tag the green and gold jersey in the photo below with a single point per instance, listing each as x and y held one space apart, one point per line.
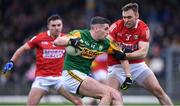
92 49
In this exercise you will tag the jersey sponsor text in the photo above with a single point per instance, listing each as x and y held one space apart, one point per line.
53 53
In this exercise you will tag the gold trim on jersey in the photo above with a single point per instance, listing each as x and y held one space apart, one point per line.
75 34
114 46
74 76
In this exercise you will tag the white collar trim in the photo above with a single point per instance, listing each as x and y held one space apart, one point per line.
48 32
137 23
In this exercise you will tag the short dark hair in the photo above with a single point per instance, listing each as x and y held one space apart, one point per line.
99 20
53 17
133 6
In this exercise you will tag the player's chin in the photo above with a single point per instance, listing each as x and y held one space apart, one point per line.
128 25
102 38
57 32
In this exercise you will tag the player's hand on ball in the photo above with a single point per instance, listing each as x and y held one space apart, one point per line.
127 83
71 50
8 66
76 42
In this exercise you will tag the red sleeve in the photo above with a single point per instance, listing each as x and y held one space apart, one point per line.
113 31
145 34
33 42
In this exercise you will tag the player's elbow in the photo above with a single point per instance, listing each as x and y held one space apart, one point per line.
61 41
144 54
56 43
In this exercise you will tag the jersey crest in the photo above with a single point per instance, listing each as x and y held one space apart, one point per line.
136 37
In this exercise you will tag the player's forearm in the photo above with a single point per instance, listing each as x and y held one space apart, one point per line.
139 54
61 41
126 67
19 52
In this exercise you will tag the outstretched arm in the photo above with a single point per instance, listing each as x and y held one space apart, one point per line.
140 53
128 81
121 56
61 41
125 65
10 64
64 40
19 52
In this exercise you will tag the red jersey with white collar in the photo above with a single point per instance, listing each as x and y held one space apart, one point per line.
49 58
128 38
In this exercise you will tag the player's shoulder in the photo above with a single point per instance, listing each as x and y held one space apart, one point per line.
85 32
74 33
79 33
119 22
142 24
37 36
117 25
107 41
43 34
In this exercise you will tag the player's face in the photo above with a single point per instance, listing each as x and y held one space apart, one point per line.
55 27
102 31
129 18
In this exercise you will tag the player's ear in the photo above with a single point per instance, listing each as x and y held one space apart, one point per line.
62 24
48 26
137 15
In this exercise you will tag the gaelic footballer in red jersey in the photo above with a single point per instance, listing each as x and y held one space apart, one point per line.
128 38
132 35
49 58
49 62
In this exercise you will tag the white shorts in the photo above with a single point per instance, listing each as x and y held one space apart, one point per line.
139 72
100 75
72 80
46 82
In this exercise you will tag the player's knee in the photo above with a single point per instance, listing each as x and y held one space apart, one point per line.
33 100
158 91
116 95
106 92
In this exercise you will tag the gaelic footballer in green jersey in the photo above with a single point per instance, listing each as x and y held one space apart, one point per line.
92 48
92 42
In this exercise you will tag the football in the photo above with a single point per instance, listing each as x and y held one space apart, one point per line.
73 51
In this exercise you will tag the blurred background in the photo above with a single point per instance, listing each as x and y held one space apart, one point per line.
22 19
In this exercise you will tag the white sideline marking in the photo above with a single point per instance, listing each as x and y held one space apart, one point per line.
60 99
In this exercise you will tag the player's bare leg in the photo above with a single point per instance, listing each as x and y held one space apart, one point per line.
152 84
74 99
93 88
35 96
117 99
114 83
